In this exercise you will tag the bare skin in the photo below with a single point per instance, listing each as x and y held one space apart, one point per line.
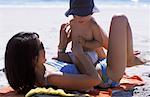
85 28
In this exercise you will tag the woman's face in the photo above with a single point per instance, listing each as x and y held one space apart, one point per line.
41 56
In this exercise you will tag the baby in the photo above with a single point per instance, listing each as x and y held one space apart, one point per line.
84 28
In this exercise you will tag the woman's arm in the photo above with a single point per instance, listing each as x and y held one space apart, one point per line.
64 37
86 80
72 81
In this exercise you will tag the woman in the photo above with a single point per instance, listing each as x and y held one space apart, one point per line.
26 68
23 54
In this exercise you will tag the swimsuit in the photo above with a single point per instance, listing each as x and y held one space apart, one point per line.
72 69
106 80
91 54
63 66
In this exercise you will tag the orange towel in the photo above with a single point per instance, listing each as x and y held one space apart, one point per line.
126 83
8 92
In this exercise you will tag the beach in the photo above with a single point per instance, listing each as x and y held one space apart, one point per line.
46 21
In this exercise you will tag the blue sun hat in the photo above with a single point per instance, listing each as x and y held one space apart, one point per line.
81 8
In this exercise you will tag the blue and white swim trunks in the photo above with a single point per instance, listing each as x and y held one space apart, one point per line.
72 69
106 80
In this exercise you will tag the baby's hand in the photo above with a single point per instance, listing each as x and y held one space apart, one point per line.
77 47
82 41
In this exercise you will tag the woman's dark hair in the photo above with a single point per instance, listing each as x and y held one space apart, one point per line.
20 55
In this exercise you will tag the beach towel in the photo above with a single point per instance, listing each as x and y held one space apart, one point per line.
126 83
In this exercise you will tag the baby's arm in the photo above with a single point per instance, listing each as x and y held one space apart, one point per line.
97 41
97 30
100 41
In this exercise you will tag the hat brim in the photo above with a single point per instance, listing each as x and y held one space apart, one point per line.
81 11
95 10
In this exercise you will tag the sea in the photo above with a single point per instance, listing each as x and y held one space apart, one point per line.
53 2
26 3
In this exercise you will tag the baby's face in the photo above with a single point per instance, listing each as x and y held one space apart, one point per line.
82 19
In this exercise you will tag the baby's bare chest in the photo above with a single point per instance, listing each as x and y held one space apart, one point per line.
84 32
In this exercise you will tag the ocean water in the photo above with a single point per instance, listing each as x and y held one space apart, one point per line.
114 4
49 2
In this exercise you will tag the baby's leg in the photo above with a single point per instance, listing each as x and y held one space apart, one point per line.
117 48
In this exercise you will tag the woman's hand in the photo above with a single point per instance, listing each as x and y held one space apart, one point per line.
64 36
66 28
